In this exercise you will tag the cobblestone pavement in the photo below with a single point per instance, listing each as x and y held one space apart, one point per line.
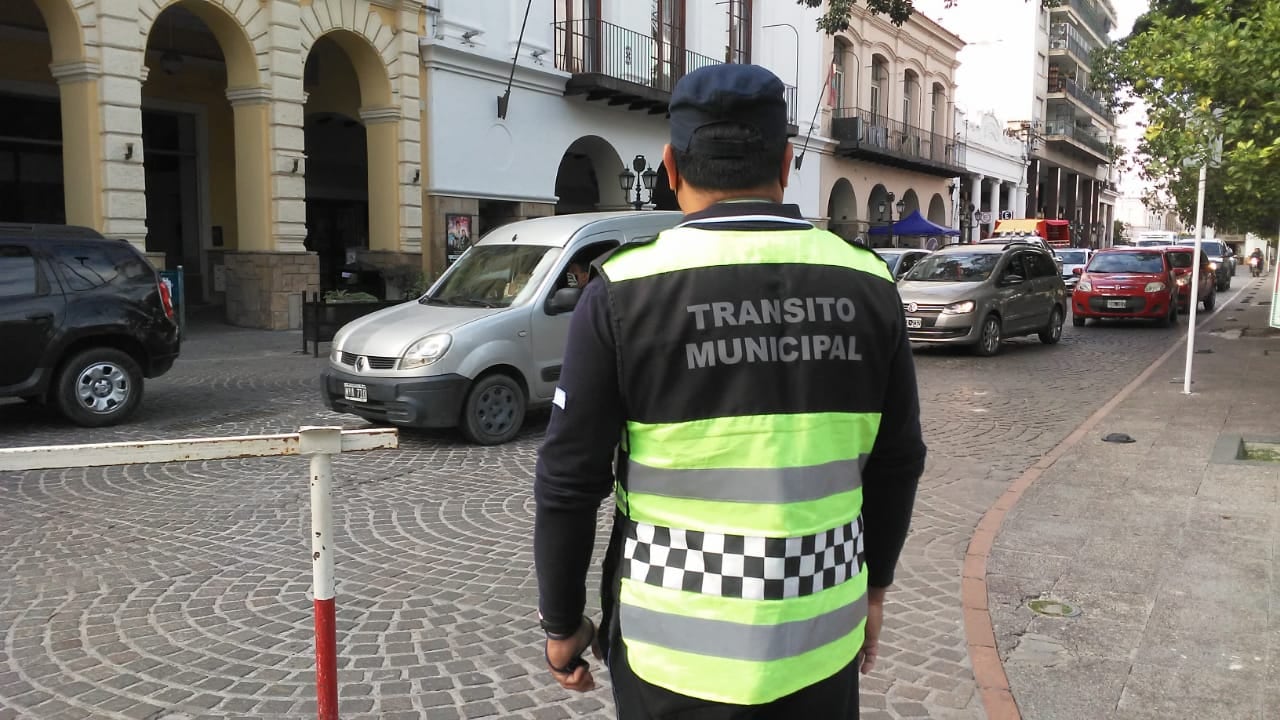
180 591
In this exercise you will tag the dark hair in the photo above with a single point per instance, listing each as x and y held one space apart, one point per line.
761 164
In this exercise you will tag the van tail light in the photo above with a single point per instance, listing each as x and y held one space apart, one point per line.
166 299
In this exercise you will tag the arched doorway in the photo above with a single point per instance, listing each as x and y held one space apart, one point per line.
194 53
35 162
937 210
587 179
351 142
842 211
910 203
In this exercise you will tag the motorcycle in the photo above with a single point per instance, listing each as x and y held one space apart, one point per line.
1255 266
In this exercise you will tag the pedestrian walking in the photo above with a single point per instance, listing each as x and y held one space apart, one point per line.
744 385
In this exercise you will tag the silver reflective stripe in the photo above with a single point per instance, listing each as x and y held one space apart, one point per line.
748 485
719 638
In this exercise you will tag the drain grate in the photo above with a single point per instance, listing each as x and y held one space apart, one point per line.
1258 451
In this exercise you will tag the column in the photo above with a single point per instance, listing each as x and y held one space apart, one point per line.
81 142
283 25
382 127
1032 205
1052 192
1020 200
975 199
252 112
993 203
124 180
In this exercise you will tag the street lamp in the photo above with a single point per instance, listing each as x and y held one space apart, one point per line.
647 177
887 205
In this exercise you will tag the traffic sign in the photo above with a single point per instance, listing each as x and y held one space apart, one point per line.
985 217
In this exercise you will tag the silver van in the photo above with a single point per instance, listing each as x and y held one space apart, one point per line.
486 342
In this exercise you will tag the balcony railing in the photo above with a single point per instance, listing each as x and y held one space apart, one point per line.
1093 16
1084 97
861 130
598 48
1068 129
1065 37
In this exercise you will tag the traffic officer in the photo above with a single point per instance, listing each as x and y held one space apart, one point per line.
744 385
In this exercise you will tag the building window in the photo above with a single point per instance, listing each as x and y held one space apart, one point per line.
837 76
668 35
909 84
738 49
878 74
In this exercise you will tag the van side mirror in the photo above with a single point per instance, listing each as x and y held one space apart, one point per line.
1077 271
564 300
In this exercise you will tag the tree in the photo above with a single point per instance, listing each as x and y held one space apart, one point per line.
1184 59
839 12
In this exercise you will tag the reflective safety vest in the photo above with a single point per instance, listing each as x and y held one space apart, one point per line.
752 364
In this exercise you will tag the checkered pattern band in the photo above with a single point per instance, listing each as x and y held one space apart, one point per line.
754 568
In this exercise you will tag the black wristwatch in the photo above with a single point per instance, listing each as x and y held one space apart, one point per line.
554 633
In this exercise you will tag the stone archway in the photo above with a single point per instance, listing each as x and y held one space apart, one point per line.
842 210
937 210
910 204
345 75
49 143
587 180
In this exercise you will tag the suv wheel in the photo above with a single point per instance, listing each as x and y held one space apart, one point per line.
494 410
99 387
1211 300
989 338
1052 332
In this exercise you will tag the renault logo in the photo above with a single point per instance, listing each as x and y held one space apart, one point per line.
911 307
360 363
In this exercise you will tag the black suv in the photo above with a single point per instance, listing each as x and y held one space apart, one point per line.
83 320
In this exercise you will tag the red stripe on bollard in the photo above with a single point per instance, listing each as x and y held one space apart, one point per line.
326 661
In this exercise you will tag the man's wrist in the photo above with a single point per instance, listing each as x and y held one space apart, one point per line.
559 630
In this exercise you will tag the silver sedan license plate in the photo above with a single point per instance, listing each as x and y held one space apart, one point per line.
914 323
355 392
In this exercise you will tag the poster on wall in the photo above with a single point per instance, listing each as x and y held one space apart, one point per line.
457 236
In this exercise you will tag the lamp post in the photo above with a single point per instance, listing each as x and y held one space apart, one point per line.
797 34
637 176
887 205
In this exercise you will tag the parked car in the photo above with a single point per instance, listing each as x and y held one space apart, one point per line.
1179 259
978 295
901 260
1126 283
1072 258
84 320
486 341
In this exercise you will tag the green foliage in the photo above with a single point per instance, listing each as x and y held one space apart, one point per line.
410 280
346 296
838 13
1184 59
1119 232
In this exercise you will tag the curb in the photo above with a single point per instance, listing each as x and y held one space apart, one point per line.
988 670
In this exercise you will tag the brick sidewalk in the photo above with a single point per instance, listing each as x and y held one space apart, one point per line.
1165 547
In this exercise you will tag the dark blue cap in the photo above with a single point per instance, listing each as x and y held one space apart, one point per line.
730 93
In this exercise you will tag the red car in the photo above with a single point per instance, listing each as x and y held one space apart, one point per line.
1134 283
1179 259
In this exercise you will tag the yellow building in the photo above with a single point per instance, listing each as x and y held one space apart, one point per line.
260 144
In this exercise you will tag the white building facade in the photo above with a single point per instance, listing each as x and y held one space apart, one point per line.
997 174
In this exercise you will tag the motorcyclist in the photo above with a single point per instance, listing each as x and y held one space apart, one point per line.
1255 262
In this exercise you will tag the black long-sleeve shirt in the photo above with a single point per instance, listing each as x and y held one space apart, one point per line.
575 465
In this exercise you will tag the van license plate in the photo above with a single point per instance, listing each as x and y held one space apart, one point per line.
1120 304
358 393
914 323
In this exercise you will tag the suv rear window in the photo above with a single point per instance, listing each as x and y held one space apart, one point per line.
94 265
18 276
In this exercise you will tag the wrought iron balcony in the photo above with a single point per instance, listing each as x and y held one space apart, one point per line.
1089 100
624 67
1055 129
862 134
